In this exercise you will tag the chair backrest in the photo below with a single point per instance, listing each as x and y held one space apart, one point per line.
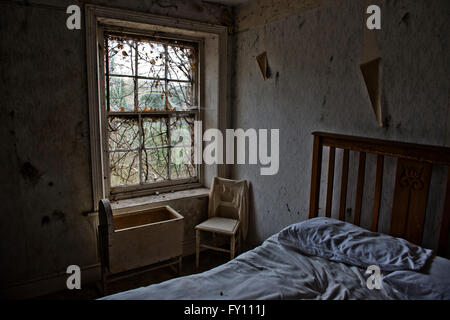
227 210
230 199
227 197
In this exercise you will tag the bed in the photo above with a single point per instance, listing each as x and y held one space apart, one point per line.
329 258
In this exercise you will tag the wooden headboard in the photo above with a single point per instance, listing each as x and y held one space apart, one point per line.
412 182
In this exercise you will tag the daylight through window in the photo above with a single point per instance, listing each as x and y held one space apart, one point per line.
151 92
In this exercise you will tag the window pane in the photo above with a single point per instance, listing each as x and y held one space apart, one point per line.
181 64
154 165
151 95
181 164
155 132
121 57
124 168
182 140
145 76
121 94
182 131
151 60
123 133
180 95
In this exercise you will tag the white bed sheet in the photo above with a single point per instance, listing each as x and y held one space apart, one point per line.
274 271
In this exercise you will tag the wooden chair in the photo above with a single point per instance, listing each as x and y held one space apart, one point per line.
227 212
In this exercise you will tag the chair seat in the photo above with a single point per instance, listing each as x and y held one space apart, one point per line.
220 225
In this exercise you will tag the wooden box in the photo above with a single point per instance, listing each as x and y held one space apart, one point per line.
138 239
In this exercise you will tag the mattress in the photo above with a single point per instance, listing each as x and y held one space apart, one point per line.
275 271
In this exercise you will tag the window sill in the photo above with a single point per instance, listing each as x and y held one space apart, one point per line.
121 206
155 200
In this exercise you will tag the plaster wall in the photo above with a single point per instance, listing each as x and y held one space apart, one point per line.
316 85
46 185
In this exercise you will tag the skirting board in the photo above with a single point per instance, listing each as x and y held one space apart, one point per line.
57 282
49 284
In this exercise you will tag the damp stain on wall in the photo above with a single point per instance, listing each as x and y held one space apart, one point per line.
30 173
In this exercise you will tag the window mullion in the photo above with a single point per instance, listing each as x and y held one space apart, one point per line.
136 94
106 46
141 147
136 108
166 104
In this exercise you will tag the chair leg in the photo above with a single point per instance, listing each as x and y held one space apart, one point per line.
197 248
104 283
233 245
239 241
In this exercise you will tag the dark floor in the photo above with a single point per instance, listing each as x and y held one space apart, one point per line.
208 259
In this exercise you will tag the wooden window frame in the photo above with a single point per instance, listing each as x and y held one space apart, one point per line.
96 18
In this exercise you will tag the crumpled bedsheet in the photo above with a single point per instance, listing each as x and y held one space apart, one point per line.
275 271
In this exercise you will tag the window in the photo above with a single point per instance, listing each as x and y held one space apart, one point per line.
151 87
138 103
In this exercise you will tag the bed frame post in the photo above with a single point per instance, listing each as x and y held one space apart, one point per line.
344 184
331 160
378 193
445 224
360 188
315 177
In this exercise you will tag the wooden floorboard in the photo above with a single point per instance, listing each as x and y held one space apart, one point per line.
208 260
